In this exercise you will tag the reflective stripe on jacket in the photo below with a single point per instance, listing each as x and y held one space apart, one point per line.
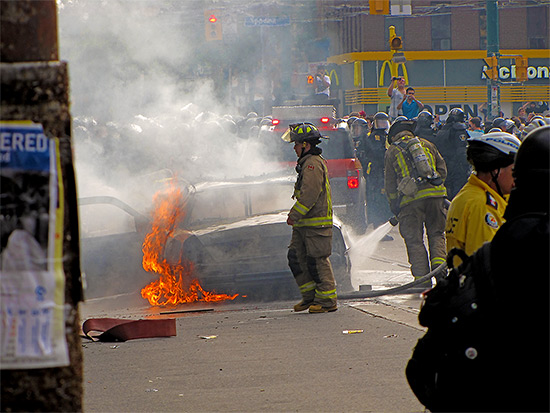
313 206
398 166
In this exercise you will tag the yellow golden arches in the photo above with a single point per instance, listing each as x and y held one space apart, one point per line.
334 77
394 71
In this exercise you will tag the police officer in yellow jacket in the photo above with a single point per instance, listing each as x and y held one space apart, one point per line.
476 212
414 175
311 220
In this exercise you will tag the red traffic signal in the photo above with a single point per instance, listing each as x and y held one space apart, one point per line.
212 19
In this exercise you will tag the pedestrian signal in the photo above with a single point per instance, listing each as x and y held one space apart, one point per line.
310 80
491 71
212 25
521 68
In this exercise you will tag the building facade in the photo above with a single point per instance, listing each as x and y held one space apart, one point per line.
444 44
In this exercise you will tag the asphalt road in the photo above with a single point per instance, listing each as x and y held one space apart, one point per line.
251 357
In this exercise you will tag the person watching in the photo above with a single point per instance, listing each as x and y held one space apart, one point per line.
396 91
409 105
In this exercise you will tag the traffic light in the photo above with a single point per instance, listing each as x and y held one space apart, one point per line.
212 25
395 41
521 68
379 6
491 71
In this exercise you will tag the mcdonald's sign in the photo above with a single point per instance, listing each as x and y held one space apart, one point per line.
394 71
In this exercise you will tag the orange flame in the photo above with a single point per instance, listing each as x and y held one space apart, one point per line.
175 284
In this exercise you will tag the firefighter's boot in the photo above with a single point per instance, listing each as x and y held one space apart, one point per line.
302 305
318 308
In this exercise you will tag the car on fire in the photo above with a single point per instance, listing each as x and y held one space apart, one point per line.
347 182
234 233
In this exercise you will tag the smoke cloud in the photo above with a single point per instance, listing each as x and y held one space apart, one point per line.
142 103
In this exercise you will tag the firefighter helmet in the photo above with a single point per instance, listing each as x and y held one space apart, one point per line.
492 150
400 124
302 132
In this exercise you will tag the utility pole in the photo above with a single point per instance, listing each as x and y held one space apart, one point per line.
493 49
41 354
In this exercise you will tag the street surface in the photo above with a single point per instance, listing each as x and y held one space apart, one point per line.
250 357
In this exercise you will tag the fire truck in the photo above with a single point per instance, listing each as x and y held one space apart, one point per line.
345 171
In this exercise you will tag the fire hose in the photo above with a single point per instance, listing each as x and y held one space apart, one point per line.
437 273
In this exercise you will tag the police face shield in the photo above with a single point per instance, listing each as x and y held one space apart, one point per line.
357 129
382 124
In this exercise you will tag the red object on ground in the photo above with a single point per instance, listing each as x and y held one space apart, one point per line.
116 329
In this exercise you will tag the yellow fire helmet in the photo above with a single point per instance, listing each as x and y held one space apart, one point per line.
302 132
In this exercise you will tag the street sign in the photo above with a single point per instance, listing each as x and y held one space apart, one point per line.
267 21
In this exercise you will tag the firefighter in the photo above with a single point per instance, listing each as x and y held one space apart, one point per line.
476 213
414 175
451 142
374 149
311 220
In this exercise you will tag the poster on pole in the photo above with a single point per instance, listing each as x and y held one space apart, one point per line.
32 281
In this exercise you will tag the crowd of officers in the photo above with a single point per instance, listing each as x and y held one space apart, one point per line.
452 151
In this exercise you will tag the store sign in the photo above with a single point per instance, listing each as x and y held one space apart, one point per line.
509 72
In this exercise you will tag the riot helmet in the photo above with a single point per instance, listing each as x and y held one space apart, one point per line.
497 123
382 121
535 123
350 120
509 126
424 119
302 132
358 127
455 115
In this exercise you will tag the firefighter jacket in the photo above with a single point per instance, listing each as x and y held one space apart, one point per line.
313 206
398 168
475 215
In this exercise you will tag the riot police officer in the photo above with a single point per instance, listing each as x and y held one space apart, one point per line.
425 126
374 150
451 141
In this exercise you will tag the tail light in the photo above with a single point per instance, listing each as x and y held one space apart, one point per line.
325 119
353 179
275 122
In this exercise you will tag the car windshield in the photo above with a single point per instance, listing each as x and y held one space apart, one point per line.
220 203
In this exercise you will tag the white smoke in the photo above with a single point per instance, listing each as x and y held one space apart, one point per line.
140 103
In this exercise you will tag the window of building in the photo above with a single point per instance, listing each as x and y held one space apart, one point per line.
482 29
441 32
537 27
